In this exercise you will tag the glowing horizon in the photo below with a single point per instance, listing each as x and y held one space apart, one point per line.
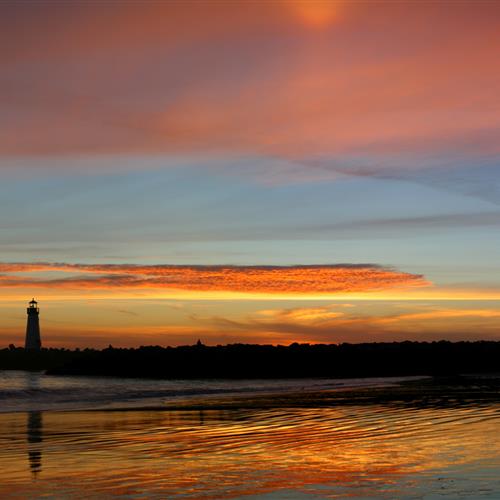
204 162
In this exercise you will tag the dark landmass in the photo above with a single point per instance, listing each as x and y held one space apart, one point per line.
265 361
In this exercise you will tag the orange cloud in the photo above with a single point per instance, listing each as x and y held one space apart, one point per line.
312 279
302 314
327 324
442 314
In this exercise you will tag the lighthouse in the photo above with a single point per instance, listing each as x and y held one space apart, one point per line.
33 340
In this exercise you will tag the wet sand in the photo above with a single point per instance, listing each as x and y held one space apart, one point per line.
417 441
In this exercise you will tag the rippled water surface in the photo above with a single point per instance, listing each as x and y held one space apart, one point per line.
395 450
27 391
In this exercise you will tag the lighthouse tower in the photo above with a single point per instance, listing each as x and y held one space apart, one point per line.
33 327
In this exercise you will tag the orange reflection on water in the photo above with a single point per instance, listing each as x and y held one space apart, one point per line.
230 453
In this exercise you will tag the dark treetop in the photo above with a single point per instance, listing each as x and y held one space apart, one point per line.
265 361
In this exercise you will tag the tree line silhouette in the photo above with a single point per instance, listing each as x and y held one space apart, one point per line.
264 361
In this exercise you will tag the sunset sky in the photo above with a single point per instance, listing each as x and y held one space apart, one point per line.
249 171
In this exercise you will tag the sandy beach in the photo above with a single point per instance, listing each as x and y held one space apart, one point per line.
235 445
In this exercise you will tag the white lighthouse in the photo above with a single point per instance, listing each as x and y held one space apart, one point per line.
33 340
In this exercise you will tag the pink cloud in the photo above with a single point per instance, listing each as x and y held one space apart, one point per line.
167 78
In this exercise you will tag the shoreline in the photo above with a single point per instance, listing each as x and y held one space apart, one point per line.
417 392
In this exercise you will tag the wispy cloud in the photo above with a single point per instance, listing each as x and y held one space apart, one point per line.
395 225
329 324
320 90
167 77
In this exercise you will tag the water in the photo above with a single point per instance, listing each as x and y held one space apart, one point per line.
27 391
216 444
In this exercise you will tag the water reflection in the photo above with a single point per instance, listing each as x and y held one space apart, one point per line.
34 428
373 450
35 438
